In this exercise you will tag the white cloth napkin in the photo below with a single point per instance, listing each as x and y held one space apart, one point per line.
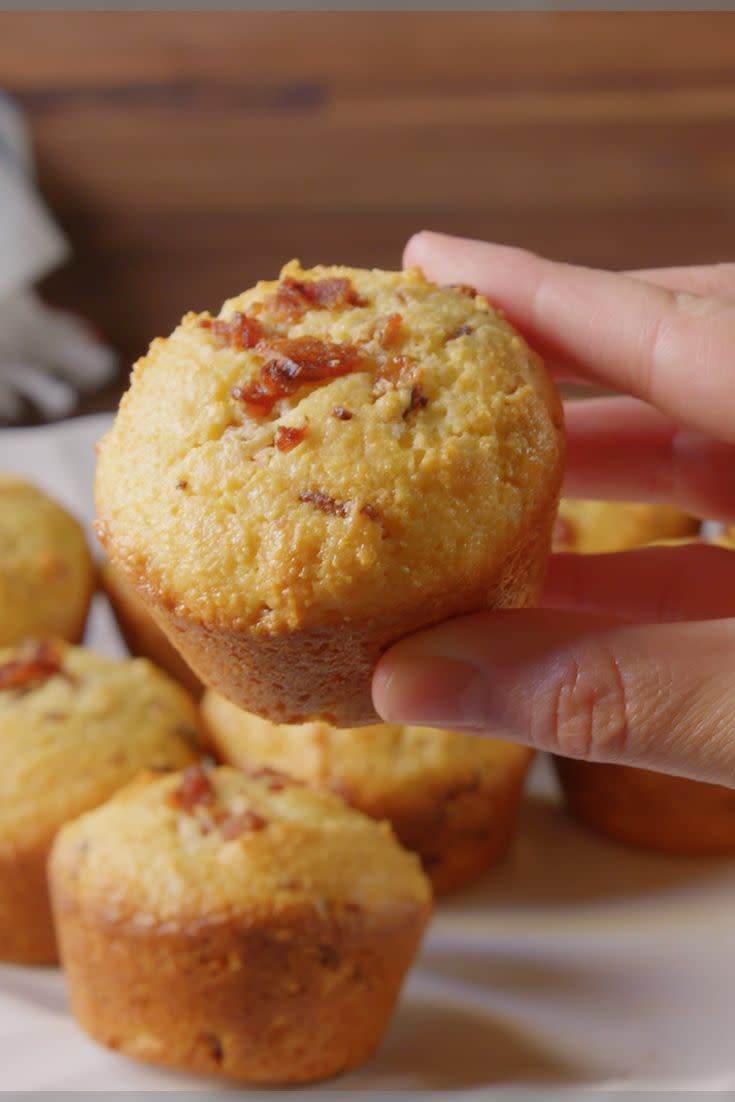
46 355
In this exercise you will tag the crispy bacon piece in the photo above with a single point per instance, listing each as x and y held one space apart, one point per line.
388 330
461 331
294 298
31 667
288 438
290 363
194 789
275 780
240 331
341 413
465 288
417 400
238 823
324 503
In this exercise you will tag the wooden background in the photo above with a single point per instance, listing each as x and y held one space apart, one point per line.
187 154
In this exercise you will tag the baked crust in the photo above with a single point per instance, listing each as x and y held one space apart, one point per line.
140 631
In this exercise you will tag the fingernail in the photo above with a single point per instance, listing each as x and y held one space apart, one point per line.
437 692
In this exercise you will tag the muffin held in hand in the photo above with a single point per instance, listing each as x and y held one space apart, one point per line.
74 727
235 926
648 810
338 459
450 797
592 527
140 631
46 571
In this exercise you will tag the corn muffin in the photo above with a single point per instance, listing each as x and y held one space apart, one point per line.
591 527
337 459
245 927
74 727
648 810
46 571
140 631
451 798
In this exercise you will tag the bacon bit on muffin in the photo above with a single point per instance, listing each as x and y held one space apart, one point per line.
194 789
341 413
418 400
324 503
294 362
288 438
389 330
373 513
182 484
238 823
294 298
461 331
240 331
465 288
31 667
397 369
275 780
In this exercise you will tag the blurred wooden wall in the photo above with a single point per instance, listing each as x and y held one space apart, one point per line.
187 154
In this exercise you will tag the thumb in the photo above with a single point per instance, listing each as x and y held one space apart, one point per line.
659 697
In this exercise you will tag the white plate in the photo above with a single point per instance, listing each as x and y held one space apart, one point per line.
576 964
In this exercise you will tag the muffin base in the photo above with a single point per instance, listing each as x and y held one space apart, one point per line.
291 999
326 672
142 634
26 925
650 811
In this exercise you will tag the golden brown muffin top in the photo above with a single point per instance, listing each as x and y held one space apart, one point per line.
76 726
328 448
46 571
378 762
207 843
600 526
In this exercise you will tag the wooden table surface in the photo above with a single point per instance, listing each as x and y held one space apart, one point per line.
188 154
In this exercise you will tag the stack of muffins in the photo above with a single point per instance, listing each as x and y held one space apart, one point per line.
220 878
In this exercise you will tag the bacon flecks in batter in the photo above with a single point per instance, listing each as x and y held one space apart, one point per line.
290 363
194 789
286 439
31 667
239 823
240 331
294 298
324 503
342 414
417 400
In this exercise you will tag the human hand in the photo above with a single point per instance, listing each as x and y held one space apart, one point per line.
632 659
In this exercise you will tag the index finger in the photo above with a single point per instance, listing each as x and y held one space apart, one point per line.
672 349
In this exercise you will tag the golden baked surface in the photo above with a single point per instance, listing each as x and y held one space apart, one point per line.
258 476
600 526
46 571
76 726
382 762
212 843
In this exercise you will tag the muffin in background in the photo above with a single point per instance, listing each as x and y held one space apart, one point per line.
74 728
450 797
651 811
244 927
142 635
340 458
640 808
592 527
47 576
